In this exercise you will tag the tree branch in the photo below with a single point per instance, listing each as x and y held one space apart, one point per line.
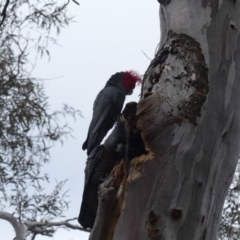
33 236
69 2
41 227
20 229
76 2
4 12
37 227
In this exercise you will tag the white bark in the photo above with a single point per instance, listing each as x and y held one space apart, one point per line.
188 17
20 229
189 118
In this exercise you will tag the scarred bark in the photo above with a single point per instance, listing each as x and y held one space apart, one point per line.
188 117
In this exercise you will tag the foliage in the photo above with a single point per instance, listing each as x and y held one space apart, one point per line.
28 129
230 223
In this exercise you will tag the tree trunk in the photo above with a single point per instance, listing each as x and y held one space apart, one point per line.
188 118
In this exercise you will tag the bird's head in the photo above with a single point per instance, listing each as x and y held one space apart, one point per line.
129 80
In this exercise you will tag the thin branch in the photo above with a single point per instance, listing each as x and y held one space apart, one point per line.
33 236
46 232
33 226
76 2
71 219
68 3
146 55
4 12
65 4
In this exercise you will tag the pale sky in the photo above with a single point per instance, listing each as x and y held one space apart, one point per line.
108 36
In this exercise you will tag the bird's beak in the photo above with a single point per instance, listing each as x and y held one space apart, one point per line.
130 91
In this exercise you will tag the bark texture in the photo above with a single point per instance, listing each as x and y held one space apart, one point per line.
189 120
110 199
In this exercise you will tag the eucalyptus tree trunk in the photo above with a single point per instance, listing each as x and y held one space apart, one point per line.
188 118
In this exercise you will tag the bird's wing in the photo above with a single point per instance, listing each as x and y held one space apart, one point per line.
92 161
105 100
103 103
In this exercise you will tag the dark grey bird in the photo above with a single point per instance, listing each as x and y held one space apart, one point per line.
99 164
108 105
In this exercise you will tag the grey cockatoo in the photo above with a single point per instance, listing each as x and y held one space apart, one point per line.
99 164
108 105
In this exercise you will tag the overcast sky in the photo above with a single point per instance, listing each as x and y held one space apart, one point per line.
108 36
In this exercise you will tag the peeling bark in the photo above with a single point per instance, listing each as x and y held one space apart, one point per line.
188 117
110 199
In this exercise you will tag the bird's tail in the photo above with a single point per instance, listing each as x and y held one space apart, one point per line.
86 218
